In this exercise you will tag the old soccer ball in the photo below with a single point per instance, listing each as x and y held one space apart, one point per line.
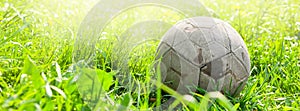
203 52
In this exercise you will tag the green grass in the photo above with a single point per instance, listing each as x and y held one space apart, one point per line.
37 38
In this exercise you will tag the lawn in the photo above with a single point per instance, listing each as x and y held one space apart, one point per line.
37 40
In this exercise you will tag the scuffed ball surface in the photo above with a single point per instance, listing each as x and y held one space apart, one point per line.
203 52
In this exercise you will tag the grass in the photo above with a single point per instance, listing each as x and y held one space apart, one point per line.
36 44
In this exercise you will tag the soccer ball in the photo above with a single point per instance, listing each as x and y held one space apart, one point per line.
203 52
